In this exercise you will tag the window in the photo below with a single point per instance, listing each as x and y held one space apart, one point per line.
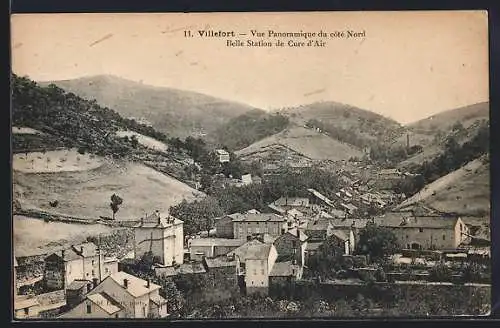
257 230
26 311
144 311
266 230
89 308
421 229
117 316
444 237
93 262
254 272
249 230
93 273
262 271
106 270
406 236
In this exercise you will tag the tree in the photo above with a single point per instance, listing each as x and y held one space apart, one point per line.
116 201
377 242
197 215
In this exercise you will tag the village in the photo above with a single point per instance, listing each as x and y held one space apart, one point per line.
296 244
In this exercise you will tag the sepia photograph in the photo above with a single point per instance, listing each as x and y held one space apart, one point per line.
285 165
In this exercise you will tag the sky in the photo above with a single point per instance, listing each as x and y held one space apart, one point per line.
409 65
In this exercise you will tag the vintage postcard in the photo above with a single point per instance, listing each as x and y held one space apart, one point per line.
250 165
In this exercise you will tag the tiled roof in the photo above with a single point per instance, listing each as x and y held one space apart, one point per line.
253 249
406 220
105 302
261 217
136 286
302 236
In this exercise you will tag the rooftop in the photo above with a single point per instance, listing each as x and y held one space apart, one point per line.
258 217
105 302
340 234
25 302
407 220
253 249
157 220
77 252
136 286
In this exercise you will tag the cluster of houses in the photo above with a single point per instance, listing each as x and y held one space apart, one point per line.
258 250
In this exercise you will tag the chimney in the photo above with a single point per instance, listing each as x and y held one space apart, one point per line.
125 283
95 281
89 287
142 221
147 283
408 141
81 250
63 252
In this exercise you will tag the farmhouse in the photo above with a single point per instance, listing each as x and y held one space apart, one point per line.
425 232
163 236
121 295
77 262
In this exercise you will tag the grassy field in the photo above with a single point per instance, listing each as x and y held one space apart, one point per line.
307 142
35 237
86 194
55 161
144 140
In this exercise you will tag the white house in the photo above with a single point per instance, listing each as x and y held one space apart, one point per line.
121 295
163 236
255 261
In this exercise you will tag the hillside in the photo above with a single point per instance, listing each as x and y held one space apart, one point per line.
465 191
444 121
174 112
250 127
304 141
346 123
73 151
85 192
435 147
